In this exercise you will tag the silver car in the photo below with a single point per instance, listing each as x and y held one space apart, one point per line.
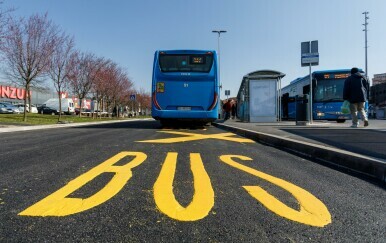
8 108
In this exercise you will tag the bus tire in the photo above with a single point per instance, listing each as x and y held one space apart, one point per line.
341 121
165 123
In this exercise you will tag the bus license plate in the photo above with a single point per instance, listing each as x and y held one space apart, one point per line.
184 108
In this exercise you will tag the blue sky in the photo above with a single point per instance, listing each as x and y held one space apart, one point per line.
262 34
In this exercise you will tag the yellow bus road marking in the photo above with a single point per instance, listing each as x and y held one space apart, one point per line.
193 137
312 211
203 199
58 204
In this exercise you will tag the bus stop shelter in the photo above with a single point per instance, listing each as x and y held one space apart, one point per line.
258 96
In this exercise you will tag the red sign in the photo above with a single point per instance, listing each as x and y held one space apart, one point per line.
86 103
63 95
12 93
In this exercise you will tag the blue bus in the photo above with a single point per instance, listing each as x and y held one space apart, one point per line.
327 95
185 86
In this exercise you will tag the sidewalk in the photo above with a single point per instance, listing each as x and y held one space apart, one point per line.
16 128
362 150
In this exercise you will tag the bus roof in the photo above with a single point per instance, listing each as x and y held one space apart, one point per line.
322 72
184 51
334 71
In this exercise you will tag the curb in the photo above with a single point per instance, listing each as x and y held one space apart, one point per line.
364 165
37 127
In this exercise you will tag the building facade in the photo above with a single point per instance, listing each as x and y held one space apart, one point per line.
379 79
16 95
378 90
378 94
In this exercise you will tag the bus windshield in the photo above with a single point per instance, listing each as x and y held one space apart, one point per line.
329 90
186 63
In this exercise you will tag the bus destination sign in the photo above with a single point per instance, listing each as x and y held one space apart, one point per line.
197 60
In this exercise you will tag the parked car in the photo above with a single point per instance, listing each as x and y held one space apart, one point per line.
84 111
33 108
8 108
48 110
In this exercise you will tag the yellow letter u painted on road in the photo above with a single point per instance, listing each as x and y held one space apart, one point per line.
59 204
312 211
203 199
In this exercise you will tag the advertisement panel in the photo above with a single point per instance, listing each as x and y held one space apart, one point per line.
262 100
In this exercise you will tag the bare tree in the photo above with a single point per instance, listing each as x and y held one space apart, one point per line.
119 89
60 65
102 84
143 99
85 68
4 20
28 49
125 89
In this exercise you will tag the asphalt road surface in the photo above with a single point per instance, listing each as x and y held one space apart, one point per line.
139 182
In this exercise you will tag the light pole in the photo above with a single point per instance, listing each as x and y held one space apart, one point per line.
218 50
365 30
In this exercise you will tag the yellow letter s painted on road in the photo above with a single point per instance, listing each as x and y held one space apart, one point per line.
59 204
312 211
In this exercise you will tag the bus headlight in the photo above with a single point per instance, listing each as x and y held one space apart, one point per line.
319 113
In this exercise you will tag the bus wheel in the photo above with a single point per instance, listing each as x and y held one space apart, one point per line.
165 123
341 121
203 124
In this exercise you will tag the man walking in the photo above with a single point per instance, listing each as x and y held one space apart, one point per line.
356 91
227 109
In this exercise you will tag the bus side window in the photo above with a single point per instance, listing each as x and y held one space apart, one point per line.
306 89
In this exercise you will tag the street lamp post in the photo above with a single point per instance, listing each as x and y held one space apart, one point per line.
365 30
218 50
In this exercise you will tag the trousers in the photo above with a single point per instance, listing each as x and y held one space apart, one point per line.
354 109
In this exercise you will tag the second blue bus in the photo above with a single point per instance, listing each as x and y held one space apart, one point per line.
327 95
185 86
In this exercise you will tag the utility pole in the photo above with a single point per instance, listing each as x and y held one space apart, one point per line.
365 30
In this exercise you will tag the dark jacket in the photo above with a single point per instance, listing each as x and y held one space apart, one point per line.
356 88
227 106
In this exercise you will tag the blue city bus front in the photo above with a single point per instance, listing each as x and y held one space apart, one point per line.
185 86
327 95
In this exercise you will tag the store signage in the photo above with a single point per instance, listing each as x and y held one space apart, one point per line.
63 95
12 92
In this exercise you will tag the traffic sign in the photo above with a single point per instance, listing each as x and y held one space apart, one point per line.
309 53
132 97
310 58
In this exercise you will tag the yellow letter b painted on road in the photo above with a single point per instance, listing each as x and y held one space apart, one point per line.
59 204
203 199
312 211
